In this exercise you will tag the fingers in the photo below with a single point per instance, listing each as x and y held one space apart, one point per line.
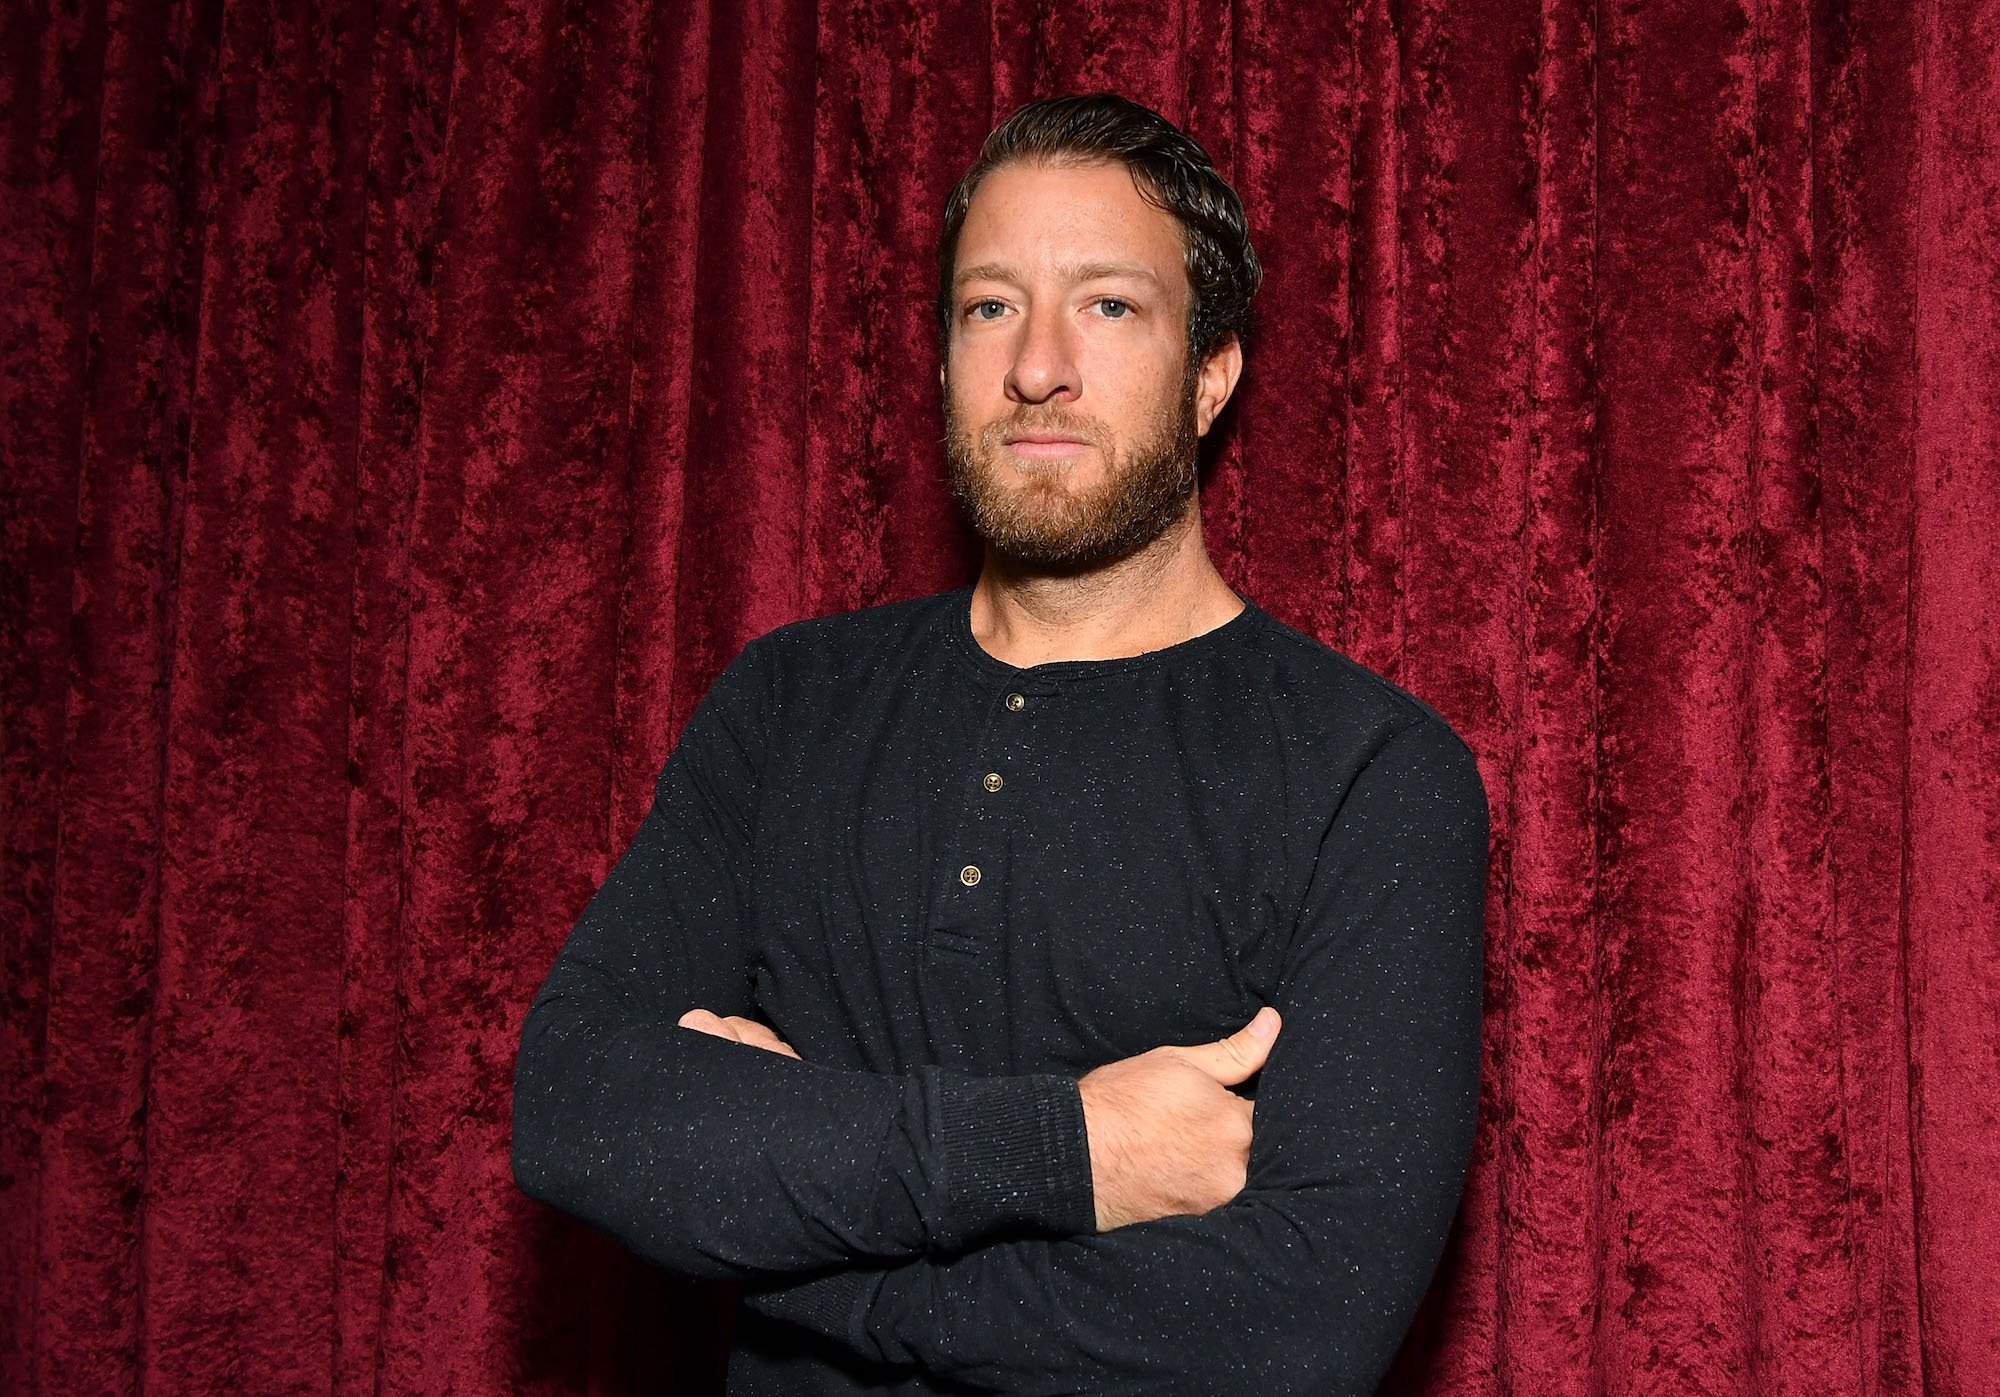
743 1030
1232 1059
758 1036
706 1022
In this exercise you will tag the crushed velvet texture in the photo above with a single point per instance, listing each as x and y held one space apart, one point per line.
408 409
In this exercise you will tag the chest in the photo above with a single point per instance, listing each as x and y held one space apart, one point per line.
1026 878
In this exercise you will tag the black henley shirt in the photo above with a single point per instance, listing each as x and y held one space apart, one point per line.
954 886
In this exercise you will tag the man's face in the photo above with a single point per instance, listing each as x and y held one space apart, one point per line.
1072 406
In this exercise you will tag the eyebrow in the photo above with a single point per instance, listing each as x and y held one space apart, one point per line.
1073 271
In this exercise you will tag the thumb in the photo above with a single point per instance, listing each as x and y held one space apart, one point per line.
1230 1060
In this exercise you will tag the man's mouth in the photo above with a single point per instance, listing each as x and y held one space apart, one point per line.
1046 445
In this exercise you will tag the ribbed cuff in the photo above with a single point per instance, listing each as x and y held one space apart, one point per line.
831 1305
1015 1157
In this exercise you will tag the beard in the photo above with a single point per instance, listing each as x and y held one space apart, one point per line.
1037 519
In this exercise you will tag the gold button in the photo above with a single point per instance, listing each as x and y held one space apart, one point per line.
993 781
969 874
1016 703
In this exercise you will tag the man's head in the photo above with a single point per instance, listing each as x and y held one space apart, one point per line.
1095 280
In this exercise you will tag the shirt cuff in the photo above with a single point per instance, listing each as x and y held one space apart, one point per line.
832 1305
1015 1157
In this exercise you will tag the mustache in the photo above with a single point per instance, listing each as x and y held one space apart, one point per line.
1066 423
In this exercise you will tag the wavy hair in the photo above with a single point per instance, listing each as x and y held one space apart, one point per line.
1172 172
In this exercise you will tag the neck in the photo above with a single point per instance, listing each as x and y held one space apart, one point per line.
1164 594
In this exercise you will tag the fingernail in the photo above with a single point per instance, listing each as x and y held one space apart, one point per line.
1264 1025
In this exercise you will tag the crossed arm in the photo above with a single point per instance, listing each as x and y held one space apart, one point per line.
714 1161
868 1208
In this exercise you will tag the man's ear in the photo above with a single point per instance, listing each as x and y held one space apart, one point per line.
1219 373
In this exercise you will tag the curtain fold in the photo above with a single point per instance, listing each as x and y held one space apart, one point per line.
407 408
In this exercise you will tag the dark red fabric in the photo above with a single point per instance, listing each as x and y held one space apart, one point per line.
408 410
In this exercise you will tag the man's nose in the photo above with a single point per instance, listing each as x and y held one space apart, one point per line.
1045 363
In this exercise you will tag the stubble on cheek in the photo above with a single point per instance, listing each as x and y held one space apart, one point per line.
1039 514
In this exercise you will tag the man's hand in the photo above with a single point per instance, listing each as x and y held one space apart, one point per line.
1166 1133
741 1029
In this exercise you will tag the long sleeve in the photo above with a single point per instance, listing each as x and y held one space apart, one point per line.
716 1159
1308 1279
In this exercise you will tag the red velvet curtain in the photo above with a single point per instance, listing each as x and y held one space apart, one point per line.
408 409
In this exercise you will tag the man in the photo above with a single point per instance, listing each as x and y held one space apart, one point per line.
935 995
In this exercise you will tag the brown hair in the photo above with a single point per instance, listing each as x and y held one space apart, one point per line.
1172 172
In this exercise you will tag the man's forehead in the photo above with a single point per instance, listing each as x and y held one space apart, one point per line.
1074 220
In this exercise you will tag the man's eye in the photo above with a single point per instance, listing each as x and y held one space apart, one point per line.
974 309
1114 301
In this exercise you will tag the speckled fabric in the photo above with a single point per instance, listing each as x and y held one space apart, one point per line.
954 885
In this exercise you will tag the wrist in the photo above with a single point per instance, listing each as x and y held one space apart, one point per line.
1104 1149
